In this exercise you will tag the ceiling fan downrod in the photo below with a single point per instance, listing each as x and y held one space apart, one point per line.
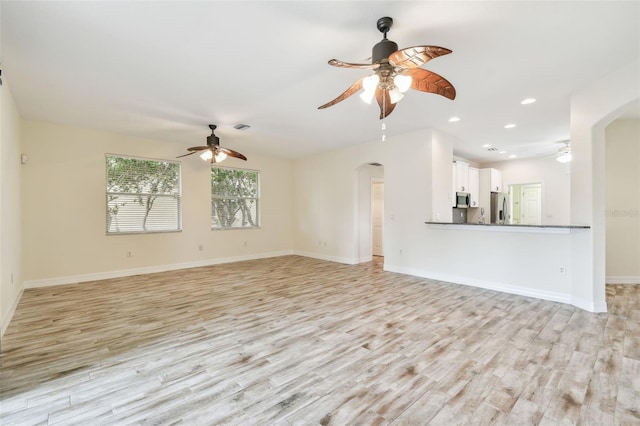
385 47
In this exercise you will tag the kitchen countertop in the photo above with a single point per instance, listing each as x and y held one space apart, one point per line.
507 225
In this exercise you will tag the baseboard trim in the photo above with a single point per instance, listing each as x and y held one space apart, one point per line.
623 280
73 279
487 285
320 256
9 315
588 305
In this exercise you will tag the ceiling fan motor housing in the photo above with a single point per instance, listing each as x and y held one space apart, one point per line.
382 50
213 139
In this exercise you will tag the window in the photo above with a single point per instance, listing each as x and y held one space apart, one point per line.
234 198
142 195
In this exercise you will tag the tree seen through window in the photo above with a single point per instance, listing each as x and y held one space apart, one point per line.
234 198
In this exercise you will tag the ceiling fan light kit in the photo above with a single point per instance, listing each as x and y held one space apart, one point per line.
395 72
213 152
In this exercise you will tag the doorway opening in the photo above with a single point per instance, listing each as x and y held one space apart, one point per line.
377 217
526 203
370 212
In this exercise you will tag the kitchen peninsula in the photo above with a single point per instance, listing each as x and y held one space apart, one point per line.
507 227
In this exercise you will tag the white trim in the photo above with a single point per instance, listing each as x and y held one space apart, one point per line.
589 305
622 279
72 279
346 260
9 316
365 259
489 285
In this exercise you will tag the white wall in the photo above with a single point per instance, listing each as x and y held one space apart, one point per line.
592 109
441 178
623 201
326 197
64 210
326 202
10 212
556 184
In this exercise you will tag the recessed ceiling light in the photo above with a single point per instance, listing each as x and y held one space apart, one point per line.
502 152
454 119
486 145
528 101
509 126
512 156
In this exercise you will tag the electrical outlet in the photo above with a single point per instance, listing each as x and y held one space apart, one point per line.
400 251
245 243
129 254
200 247
563 270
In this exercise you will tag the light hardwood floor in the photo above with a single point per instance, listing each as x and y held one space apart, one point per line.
297 341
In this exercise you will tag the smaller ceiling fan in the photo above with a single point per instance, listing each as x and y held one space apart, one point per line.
395 72
213 151
564 153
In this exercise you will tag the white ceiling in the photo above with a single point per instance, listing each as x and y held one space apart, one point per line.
165 70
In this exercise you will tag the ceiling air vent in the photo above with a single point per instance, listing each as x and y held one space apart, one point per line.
492 149
241 126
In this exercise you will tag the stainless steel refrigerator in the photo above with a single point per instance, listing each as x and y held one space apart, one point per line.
499 207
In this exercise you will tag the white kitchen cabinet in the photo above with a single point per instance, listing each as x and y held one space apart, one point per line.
462 176
490 181
474 187
454 184
496 180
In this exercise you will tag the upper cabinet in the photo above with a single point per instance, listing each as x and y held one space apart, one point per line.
461 176
496 180
474 187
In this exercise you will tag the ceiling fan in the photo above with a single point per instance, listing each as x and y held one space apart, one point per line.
564 153
213 151
395 71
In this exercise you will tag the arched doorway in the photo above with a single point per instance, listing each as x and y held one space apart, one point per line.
592 109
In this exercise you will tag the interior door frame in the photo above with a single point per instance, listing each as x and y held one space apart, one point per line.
375 180
510 192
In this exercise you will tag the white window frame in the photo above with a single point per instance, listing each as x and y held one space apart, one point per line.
177 196
256 199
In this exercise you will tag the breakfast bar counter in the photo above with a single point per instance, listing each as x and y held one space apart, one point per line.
507 227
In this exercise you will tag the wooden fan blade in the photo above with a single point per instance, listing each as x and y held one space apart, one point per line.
430 82
413 57
384 101
232 153
342 64
198 148
350 91
180 156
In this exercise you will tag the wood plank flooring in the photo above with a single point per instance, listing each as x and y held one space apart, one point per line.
298 341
